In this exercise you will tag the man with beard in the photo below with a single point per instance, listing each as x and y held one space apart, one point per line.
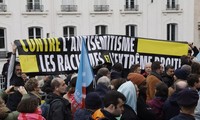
61 109
113 106
15 79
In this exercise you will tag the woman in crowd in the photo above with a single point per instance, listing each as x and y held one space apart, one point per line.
29 109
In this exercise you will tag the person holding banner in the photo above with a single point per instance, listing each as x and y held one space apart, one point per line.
15 79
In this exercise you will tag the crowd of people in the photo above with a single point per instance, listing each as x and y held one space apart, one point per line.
157 93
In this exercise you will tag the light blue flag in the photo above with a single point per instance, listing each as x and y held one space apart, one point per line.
85 74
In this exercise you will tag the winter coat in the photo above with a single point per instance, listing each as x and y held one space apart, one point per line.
129 114
59 110
152 80
83 114
171 107
157 106
183 116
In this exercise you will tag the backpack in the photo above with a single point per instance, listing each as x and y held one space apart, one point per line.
45 107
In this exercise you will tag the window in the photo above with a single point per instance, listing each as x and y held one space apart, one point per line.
3 7
172 30
101 5
69 31
131 30
34 32
68 6
172 5
2 38
101 29
34 5
131 5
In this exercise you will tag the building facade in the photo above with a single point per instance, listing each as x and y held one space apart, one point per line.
173 20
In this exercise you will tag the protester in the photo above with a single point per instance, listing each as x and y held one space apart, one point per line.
29 109
195 68
15 79
102 72
147 69
187 100
5 113
144 112
135 68
116 71
171 107
116 83
193 81
113 106
102 87
158 101
47 84
60 110
168 75
92 103
153 79
5 68
32 88
129 90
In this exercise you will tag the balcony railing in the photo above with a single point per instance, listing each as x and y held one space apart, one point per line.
172 7
101 8
131 7
3 8
68 8
34 8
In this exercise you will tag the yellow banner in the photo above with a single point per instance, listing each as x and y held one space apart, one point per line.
161 47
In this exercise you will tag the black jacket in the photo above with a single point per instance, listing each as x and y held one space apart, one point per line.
59 110
168 80
129 114
183 116
171 107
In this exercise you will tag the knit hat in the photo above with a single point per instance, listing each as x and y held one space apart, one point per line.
187 68
187 97
136 78
181 74
93 101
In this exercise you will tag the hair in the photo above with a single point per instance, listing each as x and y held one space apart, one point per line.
169 67
28 105
31 84
192 79
155 65
102 72
112 98
117 82
185 60
161 90
55 83
117 67
104 80
195 68
134 67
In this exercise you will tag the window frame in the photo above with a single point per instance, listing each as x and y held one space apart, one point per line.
67 29
4 39
129 28
172 31
35 32
101 29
